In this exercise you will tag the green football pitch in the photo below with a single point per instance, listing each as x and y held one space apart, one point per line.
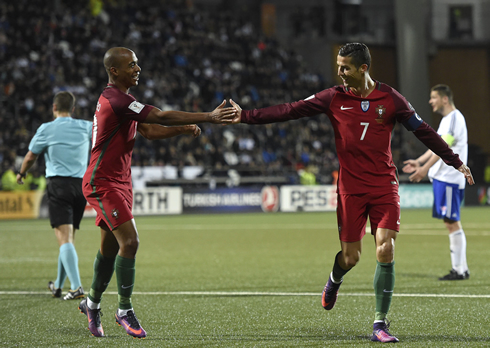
250 280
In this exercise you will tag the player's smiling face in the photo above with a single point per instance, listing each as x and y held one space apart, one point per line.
350 75
129 71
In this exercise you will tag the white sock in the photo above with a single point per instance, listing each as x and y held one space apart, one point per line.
457 246
333 279
123 312
92 305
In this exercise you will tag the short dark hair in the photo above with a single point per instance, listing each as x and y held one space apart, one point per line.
65 101
444 90
359 53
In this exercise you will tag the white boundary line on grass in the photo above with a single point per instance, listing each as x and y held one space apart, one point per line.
252 293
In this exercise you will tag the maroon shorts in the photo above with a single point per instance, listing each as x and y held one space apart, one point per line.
113 204
353 210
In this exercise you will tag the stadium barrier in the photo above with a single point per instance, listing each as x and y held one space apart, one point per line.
20 204
231 200
152 201
308 198
416 195
256 198
246 199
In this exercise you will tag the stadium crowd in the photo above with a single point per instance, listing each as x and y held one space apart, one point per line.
191 59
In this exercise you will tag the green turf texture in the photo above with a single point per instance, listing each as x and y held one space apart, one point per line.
267 254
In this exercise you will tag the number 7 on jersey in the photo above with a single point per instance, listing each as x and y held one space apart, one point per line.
366 125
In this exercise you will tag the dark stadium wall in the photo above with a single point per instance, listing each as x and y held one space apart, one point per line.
467 71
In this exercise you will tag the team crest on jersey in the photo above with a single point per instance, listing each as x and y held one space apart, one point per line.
365 105
380 111
115 213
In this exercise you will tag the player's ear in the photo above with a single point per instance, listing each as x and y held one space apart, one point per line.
113 71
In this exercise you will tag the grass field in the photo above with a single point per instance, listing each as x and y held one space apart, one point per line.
251 280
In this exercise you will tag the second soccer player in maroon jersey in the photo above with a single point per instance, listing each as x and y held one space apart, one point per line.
363 113
107 181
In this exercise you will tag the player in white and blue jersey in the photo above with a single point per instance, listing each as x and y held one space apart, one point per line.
448 184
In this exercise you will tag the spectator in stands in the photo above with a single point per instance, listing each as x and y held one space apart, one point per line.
9 179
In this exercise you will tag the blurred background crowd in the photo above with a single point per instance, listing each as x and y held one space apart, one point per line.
192 57
191 60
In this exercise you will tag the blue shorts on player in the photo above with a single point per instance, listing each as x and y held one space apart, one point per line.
447 200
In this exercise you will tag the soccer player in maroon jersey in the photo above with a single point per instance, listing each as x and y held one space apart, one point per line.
107 181
363 113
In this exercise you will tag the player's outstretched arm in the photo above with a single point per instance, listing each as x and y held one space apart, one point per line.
156 131
467 174
220 115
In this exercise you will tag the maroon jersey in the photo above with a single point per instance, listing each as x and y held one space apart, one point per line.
363 129
113 135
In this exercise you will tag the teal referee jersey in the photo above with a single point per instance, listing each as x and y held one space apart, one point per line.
66 145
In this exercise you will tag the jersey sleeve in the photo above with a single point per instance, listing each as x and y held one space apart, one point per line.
405 113
316 104
427 135
39 142
126 106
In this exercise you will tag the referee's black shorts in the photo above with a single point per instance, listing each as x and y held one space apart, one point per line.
65 201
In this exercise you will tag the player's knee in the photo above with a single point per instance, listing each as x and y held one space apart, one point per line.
351 260
385 252
130 246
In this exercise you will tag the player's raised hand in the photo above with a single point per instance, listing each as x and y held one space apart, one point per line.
410 166
467 174
417 175
238 117
223 115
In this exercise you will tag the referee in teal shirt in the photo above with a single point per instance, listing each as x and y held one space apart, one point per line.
66 144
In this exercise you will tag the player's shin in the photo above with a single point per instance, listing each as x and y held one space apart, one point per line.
60 279
103 270
125 274
384 283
